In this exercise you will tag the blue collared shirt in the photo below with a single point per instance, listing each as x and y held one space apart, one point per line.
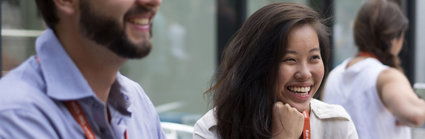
32 96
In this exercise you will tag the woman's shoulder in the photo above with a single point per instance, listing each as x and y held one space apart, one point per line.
391 74
327 111
205 127
390 77
331 121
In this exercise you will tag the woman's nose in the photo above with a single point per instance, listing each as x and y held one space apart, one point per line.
303 73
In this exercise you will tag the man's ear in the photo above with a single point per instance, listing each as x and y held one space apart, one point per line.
67 7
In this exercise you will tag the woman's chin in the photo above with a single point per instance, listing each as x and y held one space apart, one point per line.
300 107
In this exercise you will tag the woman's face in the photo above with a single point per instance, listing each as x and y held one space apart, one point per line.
301 69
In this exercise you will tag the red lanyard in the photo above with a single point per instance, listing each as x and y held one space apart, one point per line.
79 116
367 54
306 130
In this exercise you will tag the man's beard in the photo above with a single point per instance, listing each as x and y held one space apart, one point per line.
107 32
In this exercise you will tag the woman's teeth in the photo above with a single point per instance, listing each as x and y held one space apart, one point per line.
299 89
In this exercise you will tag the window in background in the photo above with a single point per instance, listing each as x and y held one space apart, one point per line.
182 62
20 27
345 14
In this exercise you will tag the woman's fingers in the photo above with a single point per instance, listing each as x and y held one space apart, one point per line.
287 121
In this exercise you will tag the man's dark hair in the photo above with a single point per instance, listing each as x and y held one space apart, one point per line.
48 11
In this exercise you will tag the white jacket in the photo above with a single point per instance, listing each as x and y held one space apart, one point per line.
327 121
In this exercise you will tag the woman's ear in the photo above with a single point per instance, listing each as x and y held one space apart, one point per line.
67 7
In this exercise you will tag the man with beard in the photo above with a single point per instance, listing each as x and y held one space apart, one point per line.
72 88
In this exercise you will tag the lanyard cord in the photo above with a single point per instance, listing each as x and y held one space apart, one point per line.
306 130
79 116
367 54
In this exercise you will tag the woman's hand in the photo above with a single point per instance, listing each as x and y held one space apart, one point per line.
287 122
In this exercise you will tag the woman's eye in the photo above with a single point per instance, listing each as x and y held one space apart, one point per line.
289 60
316 57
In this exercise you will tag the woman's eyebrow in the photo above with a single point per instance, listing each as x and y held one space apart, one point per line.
315 49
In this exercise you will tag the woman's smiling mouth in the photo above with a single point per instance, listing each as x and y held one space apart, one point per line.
300 92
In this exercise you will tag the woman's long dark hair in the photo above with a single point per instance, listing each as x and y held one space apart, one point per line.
245 91
377 24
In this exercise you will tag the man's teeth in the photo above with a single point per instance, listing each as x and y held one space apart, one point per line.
140 21
299 89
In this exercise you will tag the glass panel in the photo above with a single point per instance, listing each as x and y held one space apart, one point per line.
181 64
345 14
20 26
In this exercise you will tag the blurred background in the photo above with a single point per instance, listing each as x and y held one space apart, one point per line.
189 36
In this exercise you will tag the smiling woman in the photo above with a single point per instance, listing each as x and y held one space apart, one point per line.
301 70
270 71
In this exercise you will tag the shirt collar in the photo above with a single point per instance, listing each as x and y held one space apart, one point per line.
118 98
327 111
64 80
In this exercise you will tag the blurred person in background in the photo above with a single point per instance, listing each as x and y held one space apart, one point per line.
72 87
371 86
270 71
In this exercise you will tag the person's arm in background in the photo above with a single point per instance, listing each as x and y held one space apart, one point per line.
398 96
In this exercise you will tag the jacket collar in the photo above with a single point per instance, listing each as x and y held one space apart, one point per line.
327 111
